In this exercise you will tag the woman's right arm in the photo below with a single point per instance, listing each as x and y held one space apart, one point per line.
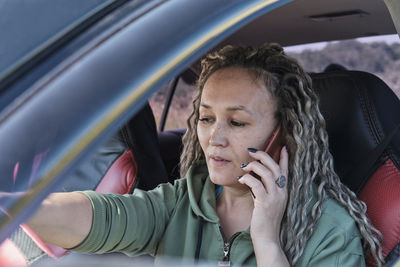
64 219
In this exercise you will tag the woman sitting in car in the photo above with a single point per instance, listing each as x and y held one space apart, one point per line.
236 205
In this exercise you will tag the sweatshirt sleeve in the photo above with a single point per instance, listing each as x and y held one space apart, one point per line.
340 249
132 224
335 242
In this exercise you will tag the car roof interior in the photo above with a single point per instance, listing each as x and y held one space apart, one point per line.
308 21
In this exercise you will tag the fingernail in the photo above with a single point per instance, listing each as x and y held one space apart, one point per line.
243 165
252 150
240 176
287 148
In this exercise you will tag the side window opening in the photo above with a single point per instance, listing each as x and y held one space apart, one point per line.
180 107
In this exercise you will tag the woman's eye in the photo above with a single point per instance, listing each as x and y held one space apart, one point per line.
238 124
205 120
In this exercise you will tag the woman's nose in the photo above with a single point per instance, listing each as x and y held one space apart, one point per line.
218 136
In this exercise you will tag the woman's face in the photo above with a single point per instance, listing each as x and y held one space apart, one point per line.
236 112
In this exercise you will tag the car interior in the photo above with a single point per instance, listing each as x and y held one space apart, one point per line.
360 109
368 104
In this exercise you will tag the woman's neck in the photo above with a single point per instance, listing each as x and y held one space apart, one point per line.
232 197
231 203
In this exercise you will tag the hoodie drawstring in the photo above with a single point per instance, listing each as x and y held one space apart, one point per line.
200 232
199 240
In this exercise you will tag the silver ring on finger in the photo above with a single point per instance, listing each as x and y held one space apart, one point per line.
281 181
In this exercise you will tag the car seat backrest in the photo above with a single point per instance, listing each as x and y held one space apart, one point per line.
140 136
360 112
125 168
171 148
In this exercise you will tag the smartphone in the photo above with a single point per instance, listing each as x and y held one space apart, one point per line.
275 144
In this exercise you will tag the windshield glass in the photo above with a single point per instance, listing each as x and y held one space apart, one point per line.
28 25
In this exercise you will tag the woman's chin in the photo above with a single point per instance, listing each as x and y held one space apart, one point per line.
223 179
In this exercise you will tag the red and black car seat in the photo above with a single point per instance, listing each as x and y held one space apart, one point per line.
130 159
361 112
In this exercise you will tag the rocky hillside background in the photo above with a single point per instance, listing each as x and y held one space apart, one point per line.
379 58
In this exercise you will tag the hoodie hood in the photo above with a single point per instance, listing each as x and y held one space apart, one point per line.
201 192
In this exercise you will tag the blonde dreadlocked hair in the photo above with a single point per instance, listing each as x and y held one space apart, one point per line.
306 138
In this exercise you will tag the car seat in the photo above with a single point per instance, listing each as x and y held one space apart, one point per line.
361 112
130 159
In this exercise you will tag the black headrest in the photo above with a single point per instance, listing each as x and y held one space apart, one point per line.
140 135
360 110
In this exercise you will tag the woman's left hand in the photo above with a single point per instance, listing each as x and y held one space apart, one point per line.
270 199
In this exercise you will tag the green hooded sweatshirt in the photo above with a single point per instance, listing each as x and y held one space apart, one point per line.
165 222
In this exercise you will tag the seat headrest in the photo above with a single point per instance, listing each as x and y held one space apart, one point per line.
360 110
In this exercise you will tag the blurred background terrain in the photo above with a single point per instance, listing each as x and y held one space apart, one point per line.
379 58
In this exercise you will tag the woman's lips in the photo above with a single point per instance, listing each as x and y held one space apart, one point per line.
219 162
